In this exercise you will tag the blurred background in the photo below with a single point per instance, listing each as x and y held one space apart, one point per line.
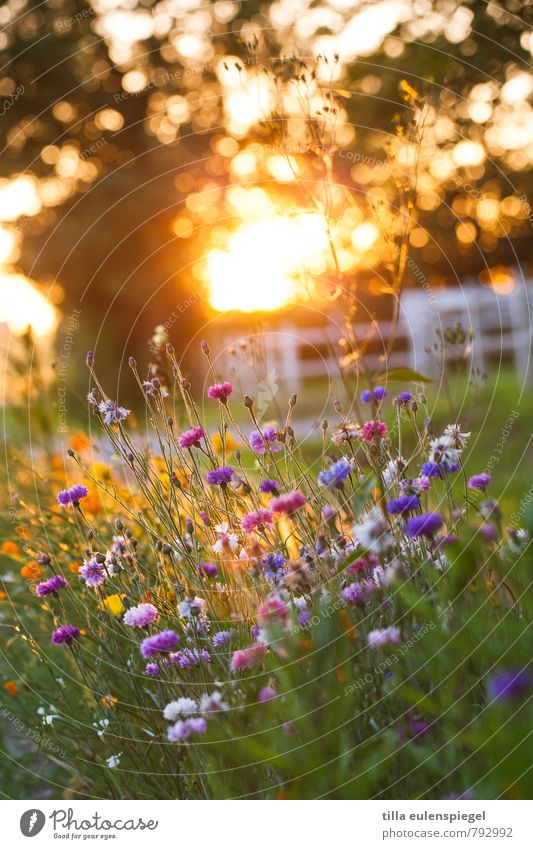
159 180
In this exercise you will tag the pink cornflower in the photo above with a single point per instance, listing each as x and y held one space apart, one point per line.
256 520
220 391
140 616
248 657
272 611
288 503
191 438
373 428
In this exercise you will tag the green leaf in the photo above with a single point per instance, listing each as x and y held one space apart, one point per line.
405 375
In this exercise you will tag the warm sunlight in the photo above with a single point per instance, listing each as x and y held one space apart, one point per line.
265 264
22 305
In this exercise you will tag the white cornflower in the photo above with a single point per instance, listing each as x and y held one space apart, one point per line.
454 432
373 532
213 703
114 760
180 707
191 607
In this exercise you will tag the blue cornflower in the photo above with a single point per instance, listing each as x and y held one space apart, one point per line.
335 475
398 506
431 470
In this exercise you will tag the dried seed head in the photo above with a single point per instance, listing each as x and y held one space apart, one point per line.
325 425
89 358
205 348
70 453
186 384
338 406
132 362
118 524
248 402
169 348
293 400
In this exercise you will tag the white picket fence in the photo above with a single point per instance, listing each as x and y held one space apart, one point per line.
502 325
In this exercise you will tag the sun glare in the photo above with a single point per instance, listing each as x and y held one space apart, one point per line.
22 305
265 263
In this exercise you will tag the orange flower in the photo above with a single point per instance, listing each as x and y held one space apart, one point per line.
109 701
32 571
11 688
3 595
9 548
92 504
80 442
73 567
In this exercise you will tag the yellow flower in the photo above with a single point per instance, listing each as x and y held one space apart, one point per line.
114 604
231 445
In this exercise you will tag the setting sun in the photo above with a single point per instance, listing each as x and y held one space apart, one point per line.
265 263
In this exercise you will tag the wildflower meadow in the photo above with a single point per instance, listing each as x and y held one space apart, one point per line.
266 504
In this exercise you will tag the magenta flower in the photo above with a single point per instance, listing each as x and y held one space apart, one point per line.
72 497
372 429
288 503
140 616
272 611
65 634
248 657
256 520
220 391
191 438
165 641
52 585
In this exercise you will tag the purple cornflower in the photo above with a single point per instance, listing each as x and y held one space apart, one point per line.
398 506
191 438
425 525
220 477
257 520
221 638
509 684
403 398
260 442
188 658
165 641
65 634
183 728
378 393
140 616
357 595
220 391
112 413
335 475
209 569
72 497
152 669
430 470
479 482
52 585
93 573
265 694
288 503
269 487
